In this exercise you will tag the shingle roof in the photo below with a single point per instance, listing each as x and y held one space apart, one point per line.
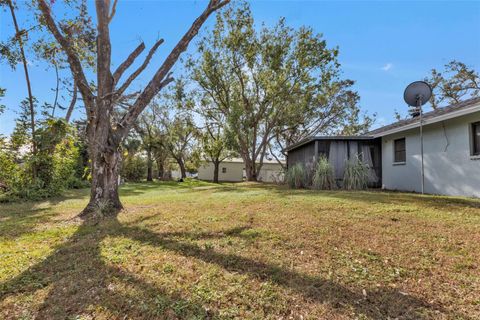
428 115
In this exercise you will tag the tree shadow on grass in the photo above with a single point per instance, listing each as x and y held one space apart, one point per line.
80 282
21 217
77 278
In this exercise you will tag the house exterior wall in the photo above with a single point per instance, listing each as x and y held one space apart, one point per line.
234 171
449 167
271 172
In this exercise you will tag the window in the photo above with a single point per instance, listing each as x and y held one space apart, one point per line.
475 139
399 150
224 170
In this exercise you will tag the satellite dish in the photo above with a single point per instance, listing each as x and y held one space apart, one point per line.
417 93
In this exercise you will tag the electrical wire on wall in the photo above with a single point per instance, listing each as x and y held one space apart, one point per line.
446 137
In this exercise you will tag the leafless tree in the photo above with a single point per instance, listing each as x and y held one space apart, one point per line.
104 132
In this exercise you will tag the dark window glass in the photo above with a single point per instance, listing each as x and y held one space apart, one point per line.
400 150
476 138
224 170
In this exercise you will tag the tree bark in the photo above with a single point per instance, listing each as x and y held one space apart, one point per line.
183 171
250 170
104 198
161 170
149 166
216 167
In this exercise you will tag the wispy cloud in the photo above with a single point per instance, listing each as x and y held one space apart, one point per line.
387 67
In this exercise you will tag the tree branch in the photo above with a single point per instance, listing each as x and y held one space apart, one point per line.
128 62
112 13
72 103
158 81
137 72
73 60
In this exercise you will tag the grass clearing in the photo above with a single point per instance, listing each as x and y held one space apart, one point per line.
197 250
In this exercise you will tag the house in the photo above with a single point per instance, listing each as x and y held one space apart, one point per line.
451 137
233 170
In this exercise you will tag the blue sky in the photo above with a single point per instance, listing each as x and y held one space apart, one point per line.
384 45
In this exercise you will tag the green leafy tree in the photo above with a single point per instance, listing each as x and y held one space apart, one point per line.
456 82
216 146
181 133
270 84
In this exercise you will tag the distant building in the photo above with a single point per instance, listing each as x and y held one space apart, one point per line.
451 152
233 170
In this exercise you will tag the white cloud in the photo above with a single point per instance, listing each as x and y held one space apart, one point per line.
387 67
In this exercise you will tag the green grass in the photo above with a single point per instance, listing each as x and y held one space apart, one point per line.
197 250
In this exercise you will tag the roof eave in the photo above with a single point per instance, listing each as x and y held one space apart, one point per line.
443 117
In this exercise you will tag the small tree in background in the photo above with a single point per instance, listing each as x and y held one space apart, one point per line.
216 146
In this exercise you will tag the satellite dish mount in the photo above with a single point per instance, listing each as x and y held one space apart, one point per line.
416 95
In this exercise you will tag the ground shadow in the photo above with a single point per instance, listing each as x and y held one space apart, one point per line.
78 277
18 218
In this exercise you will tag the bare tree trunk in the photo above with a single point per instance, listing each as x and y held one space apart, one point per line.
161 170
216 167
105 165
181 164
72 103
250 170
149 166
104 136
56 89
18 36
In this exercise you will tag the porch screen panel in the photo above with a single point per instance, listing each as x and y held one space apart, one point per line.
367 158
338 155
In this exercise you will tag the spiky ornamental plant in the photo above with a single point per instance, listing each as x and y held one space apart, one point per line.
296 176
356 174
323 177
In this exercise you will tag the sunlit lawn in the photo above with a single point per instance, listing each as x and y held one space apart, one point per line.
246 251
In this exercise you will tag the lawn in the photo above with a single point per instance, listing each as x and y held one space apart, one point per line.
247 251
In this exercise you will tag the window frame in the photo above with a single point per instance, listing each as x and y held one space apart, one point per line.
395 151
224 169
474 135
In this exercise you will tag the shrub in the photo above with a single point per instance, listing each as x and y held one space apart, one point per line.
296 176
56 162
356 174
134 168
324 177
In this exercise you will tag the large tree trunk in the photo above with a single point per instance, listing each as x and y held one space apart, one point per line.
216 166
104 198
149 166
250 170
183 171
161 170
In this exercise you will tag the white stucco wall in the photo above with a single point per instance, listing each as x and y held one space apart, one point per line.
270 172
449 170
234 171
